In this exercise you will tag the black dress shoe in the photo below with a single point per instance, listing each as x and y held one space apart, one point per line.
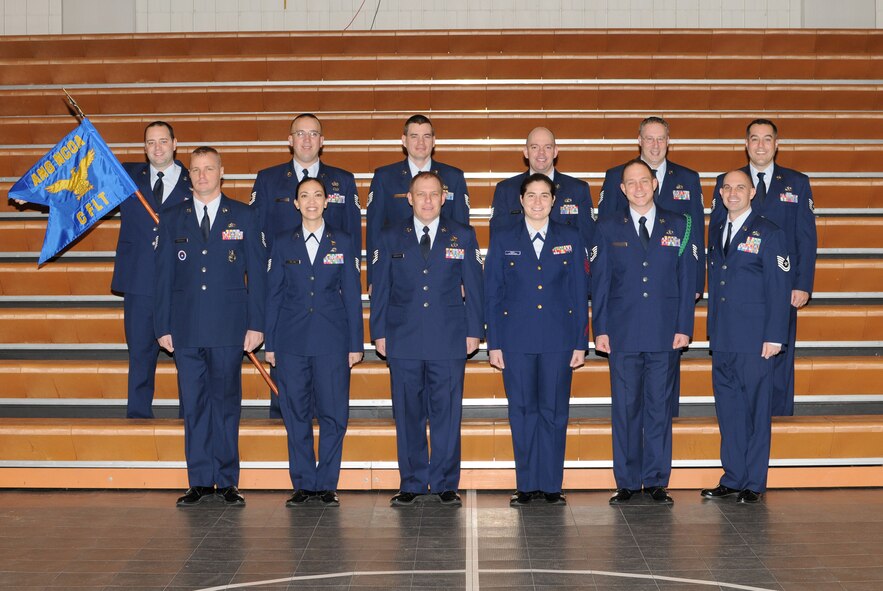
450 497
404 499
231 496
299 498
520 498
196 495
718 493
555 498
748 496
623 495
660 495
329 498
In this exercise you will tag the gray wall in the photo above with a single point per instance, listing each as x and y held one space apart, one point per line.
40 17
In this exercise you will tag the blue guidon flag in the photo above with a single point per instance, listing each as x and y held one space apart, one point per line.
80 180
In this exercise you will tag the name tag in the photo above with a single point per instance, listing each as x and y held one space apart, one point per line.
751 244
292 262
455 253
234 234
670 241
569 209
398 255
283 199
620 244
180 240
680 195
788 197
400 196
562 249
333 258
336 198
512 253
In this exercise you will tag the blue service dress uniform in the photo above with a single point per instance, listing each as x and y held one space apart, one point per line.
749 293
134 275
680 191
573 204
641 299
537 314
273 196
314 320
388 199
417 305
208 294
789 205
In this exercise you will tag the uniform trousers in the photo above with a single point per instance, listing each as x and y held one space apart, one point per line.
641 386
427 391
210 385
538 393
743 387
316 385
143 351
783 372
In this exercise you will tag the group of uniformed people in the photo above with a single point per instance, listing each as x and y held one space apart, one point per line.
226 277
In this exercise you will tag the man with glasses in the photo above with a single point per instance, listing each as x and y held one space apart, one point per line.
274 194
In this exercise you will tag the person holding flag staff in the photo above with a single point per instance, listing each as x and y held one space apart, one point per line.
536 308
166 183
314 336
210 297
643 281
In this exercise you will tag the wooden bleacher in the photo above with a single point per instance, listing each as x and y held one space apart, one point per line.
62 334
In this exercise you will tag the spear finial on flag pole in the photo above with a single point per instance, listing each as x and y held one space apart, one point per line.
74 104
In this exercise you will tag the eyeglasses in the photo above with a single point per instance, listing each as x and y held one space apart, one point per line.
302 133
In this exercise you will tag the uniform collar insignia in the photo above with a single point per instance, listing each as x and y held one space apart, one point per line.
224 210
778 177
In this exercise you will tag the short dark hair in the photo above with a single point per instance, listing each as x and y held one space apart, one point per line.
537 177
306 116
205 150
418 120
308 179
159 124
650 120
762 122
636 162
426 174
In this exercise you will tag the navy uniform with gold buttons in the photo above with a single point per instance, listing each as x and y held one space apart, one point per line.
788 203
537 323
134 270
314 320
388 195
210 301
642 315
749 292
421 322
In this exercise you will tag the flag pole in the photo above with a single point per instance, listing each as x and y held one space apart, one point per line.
155 218
264 373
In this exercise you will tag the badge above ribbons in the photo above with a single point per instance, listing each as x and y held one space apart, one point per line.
80 180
